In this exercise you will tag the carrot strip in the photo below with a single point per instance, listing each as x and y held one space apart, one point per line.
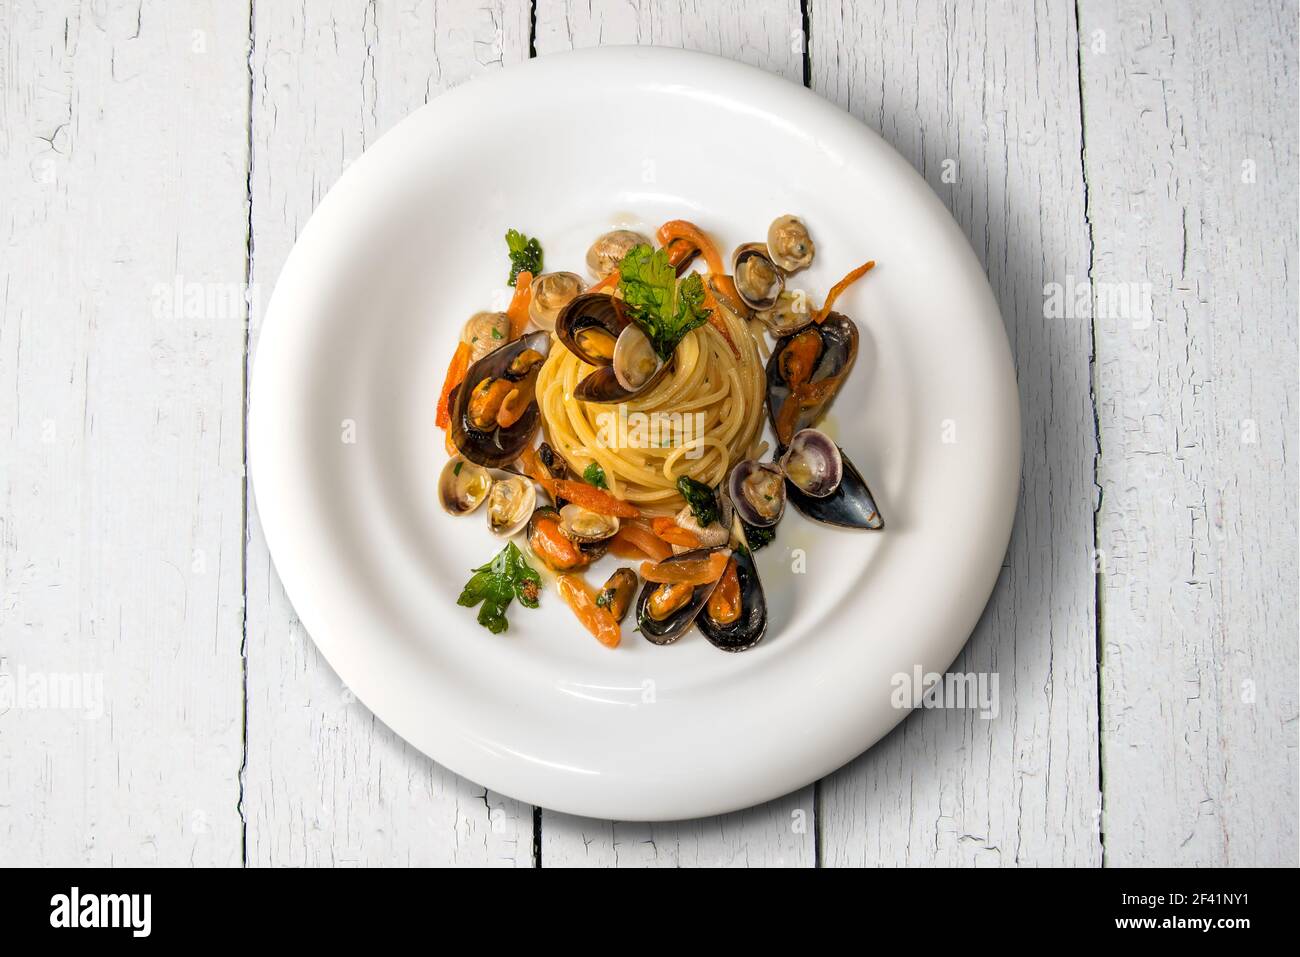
609 280
455 376
519 303
573 590
674 534
594 499
683 229
854 275
699 571
640 541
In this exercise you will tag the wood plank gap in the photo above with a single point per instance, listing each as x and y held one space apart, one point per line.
243 528
1099 491
805 19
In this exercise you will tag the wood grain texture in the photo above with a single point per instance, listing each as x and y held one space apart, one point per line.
767 34
121 340
1190 122
987 93
326 783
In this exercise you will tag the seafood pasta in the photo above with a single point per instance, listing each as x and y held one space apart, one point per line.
624 416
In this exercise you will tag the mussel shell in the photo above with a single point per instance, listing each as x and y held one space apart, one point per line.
675 625
602 385
839 337
742 504
499 447
851 505
748 629
583 312
592 551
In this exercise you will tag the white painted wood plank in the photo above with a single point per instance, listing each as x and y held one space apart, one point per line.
987 92
325 782
1190 124
122 157
767 34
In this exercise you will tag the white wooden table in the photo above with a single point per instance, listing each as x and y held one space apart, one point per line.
158 158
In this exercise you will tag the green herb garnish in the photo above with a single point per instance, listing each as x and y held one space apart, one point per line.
703 503
757 536
593 474
525 254
664 308
507 577
604 598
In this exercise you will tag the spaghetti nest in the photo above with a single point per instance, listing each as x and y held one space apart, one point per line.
699 420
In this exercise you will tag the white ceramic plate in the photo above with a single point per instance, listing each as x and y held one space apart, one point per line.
356 341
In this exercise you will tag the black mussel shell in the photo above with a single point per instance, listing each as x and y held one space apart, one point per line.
748 629
839 350
591 309
499 447
675 625
851 505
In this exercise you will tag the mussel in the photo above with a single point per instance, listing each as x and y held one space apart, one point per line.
495 410
757 490
825 486
462 486
735 616
551 292
789 244
553 548
758 282
618 592
609 249
805 372
664 611
589 326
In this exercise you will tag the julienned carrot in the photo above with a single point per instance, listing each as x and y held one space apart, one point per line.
519 303
594 499
674 534
641 540
573 590
455 375
684 229
695 571
609 280
820 316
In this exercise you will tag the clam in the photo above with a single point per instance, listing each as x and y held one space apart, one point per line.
735 616
495 411
609 249
849 505
757 490
583 526
551 292
462 486
553 548
789 244
805 372
813 463
758 282
589 326
510 505
665 611
788 314
485 331
711 535
635 368
618 592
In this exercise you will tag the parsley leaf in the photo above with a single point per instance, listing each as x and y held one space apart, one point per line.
664 308
703 503
507 577
593 474
525 254
758 537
